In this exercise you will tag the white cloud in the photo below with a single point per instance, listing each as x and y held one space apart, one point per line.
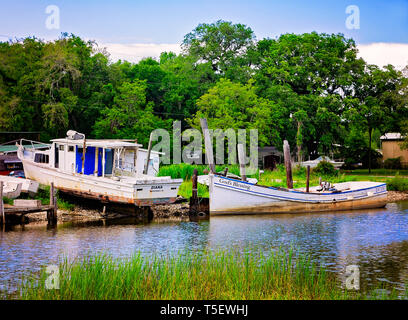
381 54
134 52
378 53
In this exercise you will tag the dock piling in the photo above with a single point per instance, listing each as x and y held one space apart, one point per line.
288 165
195 191
208 145
3 217
52 213
307 178
241 159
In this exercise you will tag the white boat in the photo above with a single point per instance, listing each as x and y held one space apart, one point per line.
106 170
234 196
11 189
27 185
314 163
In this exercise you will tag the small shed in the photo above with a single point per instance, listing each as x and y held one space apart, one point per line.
269 157
391 147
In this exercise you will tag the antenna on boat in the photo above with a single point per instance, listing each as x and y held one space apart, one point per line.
149 150
208 144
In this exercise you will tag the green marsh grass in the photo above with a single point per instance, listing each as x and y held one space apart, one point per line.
222 274
209 275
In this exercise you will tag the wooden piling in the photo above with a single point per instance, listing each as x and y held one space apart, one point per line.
149 150
288 165
208 145
307 178
195 191
3 217
52 213
241 159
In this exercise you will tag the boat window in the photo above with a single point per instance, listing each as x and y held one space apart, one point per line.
41 158
61 147
70 148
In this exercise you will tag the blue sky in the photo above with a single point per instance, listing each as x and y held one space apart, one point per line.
166 22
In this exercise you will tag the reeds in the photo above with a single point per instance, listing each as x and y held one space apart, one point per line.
206 275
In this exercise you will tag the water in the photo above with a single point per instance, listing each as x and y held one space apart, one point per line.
375 240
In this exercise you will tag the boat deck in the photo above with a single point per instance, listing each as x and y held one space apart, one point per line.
344 186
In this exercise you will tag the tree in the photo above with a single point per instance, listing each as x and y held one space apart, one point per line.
223 44
308 74
377 101
233 105
131 116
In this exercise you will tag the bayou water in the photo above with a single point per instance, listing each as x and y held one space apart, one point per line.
374 240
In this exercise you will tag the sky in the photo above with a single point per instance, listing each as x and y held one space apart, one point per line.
135 29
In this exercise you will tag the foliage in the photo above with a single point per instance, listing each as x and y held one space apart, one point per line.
325 168
310 89
233 105
397 184
393 163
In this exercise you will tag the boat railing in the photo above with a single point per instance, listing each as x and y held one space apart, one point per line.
33 142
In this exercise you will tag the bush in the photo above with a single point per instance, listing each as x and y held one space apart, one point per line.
397 184
393 163
325 168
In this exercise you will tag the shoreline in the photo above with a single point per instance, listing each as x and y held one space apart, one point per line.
172 212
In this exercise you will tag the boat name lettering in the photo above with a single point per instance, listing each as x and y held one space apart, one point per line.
235 184
157 187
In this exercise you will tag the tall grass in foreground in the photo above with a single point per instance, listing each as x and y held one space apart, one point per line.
209 275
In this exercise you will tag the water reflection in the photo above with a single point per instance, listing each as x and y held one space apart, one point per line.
375 240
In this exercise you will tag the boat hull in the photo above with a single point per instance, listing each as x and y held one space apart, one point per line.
142 193
230 196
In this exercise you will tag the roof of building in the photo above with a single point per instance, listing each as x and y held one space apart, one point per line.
392 136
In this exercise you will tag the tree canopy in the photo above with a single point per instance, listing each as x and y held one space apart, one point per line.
310 89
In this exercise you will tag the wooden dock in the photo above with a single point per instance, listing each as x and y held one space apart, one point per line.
15 214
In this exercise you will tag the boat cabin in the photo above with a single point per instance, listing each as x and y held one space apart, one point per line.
97 157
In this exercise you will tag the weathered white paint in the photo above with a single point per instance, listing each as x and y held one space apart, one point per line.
132 187
235 196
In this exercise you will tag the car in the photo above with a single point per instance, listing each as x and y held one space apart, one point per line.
17 174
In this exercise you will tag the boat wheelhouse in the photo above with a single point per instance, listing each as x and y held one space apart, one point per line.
110 170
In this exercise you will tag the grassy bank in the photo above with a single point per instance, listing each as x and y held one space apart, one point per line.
277 177
210 275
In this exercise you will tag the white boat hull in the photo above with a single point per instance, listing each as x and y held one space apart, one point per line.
230 196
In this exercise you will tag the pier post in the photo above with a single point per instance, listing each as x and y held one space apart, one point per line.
3 217
288 165
195 191
307 178
208 145
52 213
241 159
